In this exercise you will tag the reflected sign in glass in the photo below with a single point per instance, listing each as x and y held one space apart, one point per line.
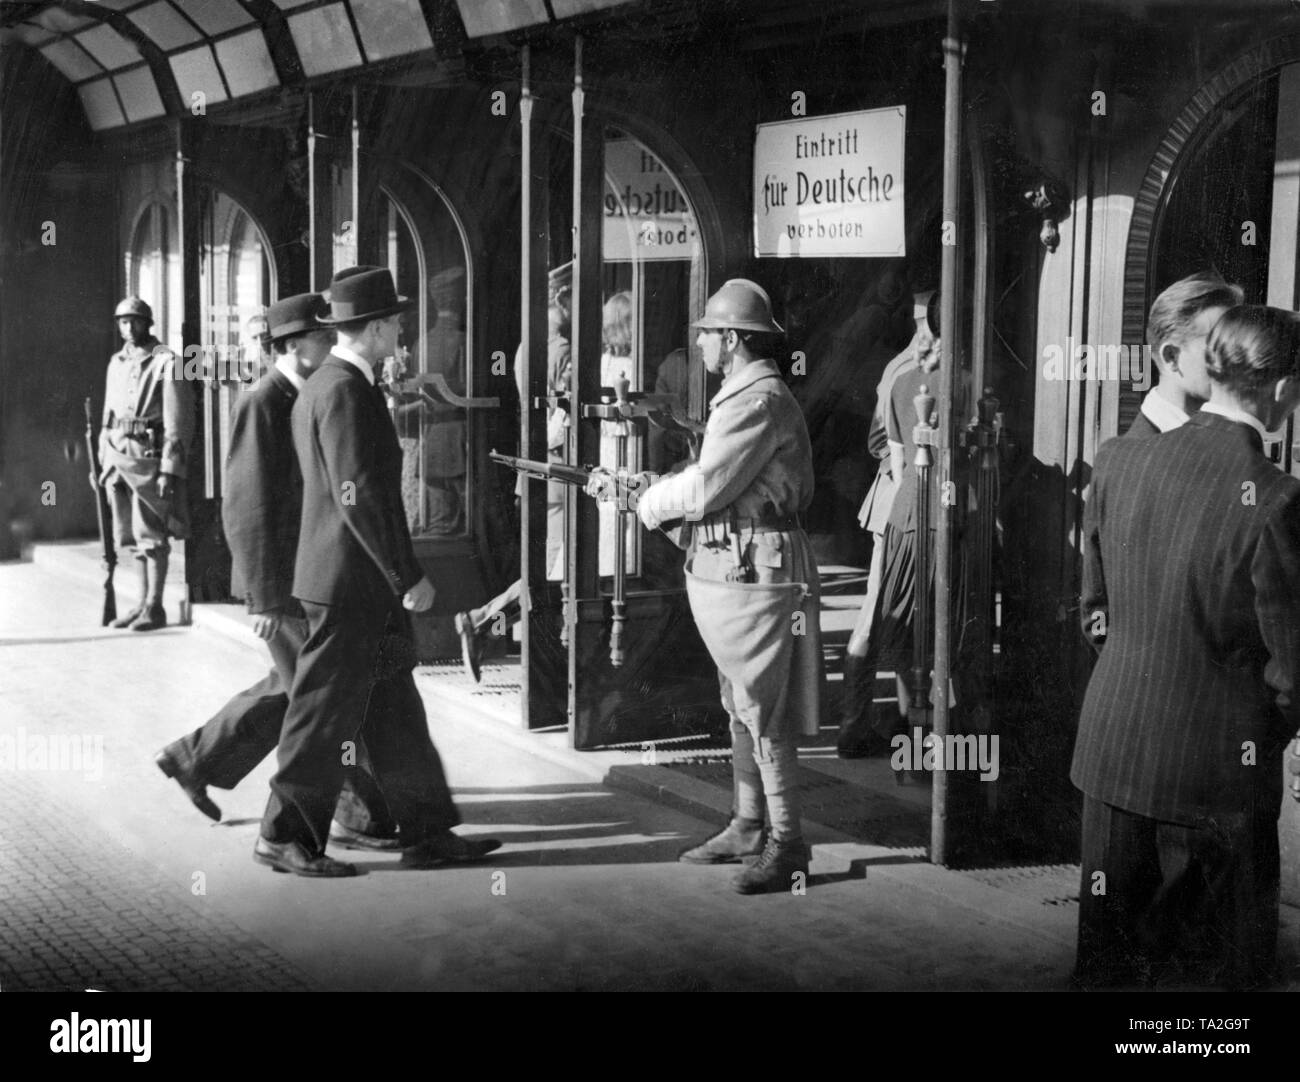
647 215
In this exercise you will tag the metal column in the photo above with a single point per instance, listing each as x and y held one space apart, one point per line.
953 48
320 203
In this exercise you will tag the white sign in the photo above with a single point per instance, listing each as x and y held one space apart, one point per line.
830 185
646 214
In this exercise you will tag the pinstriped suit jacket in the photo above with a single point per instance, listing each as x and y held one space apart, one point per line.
1142 426
1192 561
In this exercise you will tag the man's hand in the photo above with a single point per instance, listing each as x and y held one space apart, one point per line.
166 486
266 624
602 485
419 597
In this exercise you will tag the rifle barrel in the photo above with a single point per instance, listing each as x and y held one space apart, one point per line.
556 471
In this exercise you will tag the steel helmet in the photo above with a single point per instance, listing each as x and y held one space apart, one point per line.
741 305
133 306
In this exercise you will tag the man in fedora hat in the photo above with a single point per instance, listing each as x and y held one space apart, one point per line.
752 582
356 576
144 448
261 510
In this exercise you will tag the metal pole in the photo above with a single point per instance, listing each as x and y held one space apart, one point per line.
578 346
952 52
355 232
525 377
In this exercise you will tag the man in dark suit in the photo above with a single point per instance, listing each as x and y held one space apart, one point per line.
356 575
1177 329
263 502
1191 591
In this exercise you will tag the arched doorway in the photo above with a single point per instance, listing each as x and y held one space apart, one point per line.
423 244
236 283
638 277
153 268
411 225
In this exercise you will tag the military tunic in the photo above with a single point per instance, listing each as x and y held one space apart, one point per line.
756 465
147 427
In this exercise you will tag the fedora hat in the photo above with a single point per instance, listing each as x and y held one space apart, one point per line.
359 293
295 315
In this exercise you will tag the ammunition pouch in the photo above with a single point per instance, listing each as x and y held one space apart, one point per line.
149 433
716 530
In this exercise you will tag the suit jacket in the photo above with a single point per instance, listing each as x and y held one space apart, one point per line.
263 493
1191 590
1142 426
355 545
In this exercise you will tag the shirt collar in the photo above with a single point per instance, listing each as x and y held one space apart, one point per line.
1241 417
1161 412
343 353
286 369
739 380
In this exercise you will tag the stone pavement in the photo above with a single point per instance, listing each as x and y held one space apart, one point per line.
110 879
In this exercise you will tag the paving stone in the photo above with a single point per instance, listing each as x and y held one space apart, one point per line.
95 879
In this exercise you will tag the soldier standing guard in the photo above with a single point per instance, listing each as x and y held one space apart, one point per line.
752 581
144 447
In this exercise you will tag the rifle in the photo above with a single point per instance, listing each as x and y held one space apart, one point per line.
627 484
109 560
627 489
551 471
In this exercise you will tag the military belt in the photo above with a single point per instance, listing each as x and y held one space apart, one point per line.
717 528
139 429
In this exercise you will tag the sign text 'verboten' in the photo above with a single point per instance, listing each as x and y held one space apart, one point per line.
830 185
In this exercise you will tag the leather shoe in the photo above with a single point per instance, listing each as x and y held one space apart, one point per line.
355 839
447 848
471 651
151 619
128 618
293 857
190 785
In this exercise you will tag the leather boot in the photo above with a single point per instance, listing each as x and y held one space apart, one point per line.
128 618
775 870
153 616
740 838
151 619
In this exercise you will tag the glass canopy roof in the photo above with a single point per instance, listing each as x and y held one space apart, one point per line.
136 60
219 49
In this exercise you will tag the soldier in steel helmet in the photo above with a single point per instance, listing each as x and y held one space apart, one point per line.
752 581
144 448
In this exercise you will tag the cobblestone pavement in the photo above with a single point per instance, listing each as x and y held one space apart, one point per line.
109 878
78 911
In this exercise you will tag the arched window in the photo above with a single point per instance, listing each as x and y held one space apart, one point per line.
652 276
153 270
236 284
424 247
